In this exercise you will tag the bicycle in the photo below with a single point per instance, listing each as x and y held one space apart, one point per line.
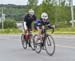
47 43
27 41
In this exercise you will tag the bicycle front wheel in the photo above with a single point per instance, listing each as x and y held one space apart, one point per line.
32 43
37 45
23 41
50 45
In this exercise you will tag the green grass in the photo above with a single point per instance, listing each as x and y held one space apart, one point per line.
57 31
62 31
67 30
10 31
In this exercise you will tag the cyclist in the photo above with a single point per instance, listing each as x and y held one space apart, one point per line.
28 19
41 23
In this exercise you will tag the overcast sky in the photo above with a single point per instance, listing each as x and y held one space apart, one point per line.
17 2
20 2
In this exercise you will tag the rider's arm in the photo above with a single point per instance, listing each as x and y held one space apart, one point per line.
25 26
24 23
48 24
50 27
34 18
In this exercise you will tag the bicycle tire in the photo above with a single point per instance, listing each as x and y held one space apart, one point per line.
32 43
48 45
36 45
23 41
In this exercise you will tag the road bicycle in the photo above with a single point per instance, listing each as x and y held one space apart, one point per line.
47 43
27 41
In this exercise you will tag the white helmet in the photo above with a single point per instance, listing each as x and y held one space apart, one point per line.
31 12
44 15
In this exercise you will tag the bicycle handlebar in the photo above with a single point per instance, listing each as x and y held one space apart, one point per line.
44 30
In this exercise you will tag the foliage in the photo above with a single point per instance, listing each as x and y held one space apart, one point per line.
9 23
58 10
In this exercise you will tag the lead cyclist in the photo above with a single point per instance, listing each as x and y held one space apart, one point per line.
41 23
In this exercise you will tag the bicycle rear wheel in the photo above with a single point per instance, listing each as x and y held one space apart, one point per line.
50 45
37 45
23 41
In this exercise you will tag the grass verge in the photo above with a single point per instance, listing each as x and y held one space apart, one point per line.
57 31
10 31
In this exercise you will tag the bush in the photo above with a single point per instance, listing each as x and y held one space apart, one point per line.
0 25
9 23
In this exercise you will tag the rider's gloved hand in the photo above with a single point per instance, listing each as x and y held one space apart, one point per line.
50 27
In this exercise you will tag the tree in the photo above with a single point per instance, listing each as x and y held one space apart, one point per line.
32 3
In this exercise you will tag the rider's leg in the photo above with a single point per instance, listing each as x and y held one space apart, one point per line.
26 35
29 34
38 38
29 37
42 33
39 32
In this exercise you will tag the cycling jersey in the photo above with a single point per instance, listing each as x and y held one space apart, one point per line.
29 19
41 23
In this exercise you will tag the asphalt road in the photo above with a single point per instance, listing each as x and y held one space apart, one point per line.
11 49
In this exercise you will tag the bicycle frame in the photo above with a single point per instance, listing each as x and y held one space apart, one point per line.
45 35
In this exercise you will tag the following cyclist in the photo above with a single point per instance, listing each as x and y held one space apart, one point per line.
41 23
28 19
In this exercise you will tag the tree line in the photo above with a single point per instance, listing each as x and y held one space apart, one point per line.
59 11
